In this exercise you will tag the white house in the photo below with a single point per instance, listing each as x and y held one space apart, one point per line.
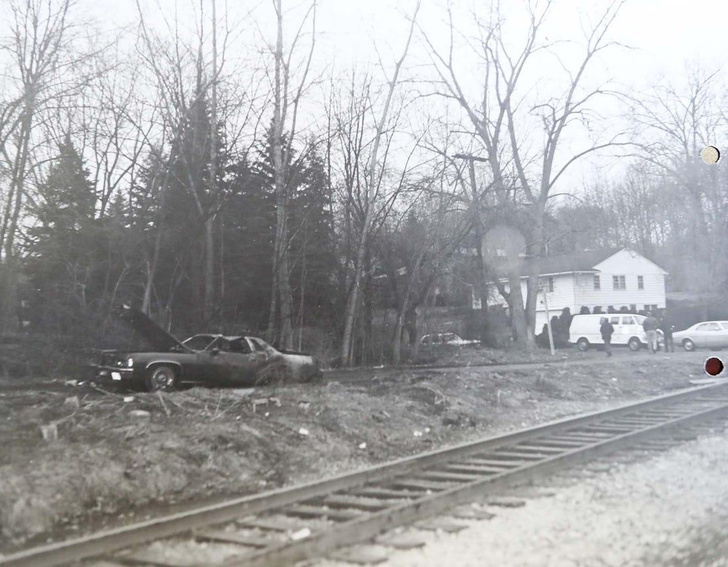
594 279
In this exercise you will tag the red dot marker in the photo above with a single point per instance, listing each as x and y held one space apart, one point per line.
713 366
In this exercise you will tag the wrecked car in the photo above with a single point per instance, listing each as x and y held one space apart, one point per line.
282 364
214 360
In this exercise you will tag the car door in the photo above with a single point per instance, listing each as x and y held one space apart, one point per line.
210 366
713 334
703 336
238 362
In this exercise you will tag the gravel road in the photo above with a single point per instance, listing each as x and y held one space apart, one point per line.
667 509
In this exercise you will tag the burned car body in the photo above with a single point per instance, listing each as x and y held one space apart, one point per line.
214 360
277 363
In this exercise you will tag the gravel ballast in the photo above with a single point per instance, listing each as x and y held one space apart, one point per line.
669 509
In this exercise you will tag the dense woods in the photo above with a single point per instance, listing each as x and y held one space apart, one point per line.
310 203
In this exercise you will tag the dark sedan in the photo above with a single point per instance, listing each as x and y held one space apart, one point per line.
202 359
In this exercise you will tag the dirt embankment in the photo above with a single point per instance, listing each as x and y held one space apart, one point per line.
113 457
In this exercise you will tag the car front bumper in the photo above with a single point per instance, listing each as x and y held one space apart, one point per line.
116 374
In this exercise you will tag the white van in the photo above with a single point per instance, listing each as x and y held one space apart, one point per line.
584 330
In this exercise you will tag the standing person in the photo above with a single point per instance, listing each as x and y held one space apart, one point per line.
650 327
667 327
607 329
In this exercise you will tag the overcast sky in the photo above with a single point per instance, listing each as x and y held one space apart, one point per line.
664 36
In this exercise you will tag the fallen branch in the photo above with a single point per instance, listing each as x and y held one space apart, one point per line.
161 399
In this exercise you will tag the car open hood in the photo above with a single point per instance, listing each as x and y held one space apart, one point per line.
153 333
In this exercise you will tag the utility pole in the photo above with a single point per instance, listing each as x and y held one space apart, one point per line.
548 320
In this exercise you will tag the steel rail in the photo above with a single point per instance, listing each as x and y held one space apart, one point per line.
106 542
366 528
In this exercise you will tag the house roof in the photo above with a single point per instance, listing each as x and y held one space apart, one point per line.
564 263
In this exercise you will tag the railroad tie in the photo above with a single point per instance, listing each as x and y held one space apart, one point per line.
347 502
450 476
387 493
232 537
304 511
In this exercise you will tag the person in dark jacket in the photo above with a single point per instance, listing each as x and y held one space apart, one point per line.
607 330
667 327
650 327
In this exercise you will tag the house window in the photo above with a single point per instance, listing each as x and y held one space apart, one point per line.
619 283
597 283
548 284
597 309
640 282
633 307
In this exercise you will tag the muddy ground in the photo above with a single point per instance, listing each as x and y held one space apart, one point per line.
74 456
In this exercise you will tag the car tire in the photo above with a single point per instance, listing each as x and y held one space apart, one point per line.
582 344
688 345
634 344
162 378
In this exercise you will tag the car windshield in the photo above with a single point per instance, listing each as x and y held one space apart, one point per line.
199 342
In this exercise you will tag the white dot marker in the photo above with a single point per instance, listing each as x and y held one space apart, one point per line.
710 155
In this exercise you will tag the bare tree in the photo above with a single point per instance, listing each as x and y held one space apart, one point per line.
39 36
175 69
285 100
673 124
372 191
522 183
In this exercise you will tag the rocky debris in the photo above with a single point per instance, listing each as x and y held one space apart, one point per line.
506 502
73 402
108 459
458 419
140 414
49 432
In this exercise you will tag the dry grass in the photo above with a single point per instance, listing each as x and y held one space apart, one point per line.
130 453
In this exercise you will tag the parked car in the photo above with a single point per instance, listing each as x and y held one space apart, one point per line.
202 359
446 339
584 331
285 364
707 334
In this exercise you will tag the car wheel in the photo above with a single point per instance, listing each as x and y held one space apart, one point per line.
634 344
688 345
582 344
161 378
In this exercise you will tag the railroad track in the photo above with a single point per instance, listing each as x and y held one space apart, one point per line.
308 521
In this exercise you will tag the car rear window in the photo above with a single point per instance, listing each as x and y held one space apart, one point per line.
240 346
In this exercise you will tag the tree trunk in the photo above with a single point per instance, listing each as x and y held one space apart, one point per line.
284 327
8 303
518 312
410 325
209 301
353 299
209 292
535 251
